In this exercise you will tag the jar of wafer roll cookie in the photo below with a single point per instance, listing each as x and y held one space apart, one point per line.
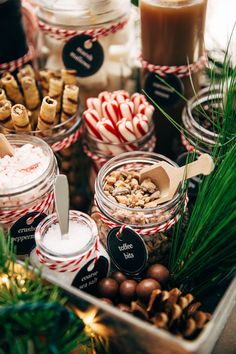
116 122
26 189
45 104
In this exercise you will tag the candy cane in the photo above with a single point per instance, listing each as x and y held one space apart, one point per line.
140 125
104 96
109 134
147 109
137 99
126 130
91 118
95 103
110 111
120 95
126 109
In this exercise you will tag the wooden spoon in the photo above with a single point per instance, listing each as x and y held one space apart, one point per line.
167 177
5 147
61 193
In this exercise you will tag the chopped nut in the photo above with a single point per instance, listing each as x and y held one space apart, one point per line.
155 195
152 204
122 199
148 185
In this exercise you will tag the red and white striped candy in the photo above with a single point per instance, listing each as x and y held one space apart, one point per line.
147 109
127 109
91 118
110 110
107 130
104 96
137 99
140 125
126 131
120 95
95 103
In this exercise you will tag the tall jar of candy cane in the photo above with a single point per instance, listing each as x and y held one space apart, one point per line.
94 38
76 259
26 189
116 122
123 202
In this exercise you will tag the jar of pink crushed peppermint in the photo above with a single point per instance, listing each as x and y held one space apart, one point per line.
26 189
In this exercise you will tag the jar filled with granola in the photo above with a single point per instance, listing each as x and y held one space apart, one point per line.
95 38
201 118
120 199
77 258
26 189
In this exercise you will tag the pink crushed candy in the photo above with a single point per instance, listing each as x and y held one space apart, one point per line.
28 163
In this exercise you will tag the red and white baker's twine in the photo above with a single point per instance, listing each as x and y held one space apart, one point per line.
144 231
17 63
8 217
67 266
187 145
65 34
178 70
68 141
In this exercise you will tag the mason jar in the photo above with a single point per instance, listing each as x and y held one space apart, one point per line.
200 119
22 207
153 224
79 259
100 152
95 38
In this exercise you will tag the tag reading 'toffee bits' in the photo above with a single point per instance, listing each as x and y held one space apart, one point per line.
127 251
83 55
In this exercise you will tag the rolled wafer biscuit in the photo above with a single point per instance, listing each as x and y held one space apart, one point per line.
31 92
2 94
44 79
69 101
47 113
27 70
55 73
20 118
5 114
56 90
69 76
12 89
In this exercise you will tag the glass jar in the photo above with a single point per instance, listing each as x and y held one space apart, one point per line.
152 224
79 260
23 207
200 130
95 38
64 139
100 152
178 28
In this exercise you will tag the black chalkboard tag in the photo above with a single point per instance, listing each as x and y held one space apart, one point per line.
164 91
89 275
23 232
83 55
127 251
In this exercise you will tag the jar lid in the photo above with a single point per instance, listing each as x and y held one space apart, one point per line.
82 13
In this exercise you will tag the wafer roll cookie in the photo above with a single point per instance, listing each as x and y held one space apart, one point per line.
47 113
69 76
27 70
44 79
69 101
31 92
56 90
2 94
12 89
5 114
20 118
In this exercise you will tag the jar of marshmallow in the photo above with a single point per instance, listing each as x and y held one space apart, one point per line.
26 189
95 38
77 258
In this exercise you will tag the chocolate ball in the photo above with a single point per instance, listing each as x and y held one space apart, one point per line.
119 277
124 307
106 300
128 290
158 272
108 287
145 288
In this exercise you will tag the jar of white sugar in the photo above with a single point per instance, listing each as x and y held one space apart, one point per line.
26 189
76 259
95 38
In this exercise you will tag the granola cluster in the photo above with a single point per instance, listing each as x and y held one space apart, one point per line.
125 188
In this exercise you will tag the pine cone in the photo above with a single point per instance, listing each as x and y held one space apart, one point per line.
173 311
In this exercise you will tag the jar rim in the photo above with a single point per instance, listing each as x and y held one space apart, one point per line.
51 219
110 165
22 139
175 3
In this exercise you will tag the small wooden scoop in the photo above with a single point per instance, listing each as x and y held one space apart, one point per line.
5 147
167 178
